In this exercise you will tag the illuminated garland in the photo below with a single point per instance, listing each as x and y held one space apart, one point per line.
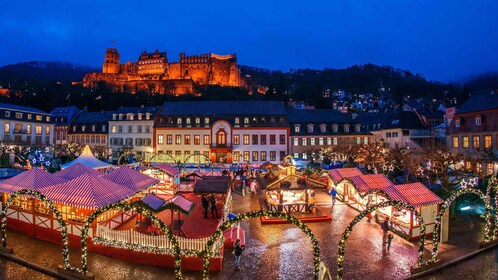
447 203
62 223
206 254
139 209
398 205
493 185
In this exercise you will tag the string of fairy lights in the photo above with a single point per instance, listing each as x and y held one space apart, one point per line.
214 243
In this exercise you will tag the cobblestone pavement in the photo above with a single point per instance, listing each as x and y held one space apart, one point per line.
272 251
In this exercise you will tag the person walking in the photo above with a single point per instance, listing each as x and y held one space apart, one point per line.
237 251
369 214
390 237
385 230
205 205
214 211
333 194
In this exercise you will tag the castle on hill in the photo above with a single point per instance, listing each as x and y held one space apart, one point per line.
153 73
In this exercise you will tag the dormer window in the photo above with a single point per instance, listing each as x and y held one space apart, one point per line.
263 120
121 117
114 117
147 116
187 121
129 116
297 128
346 128
478 121
458 123
310 128
323 128
335 128
197 120
246 120
179 121
139 116
357 128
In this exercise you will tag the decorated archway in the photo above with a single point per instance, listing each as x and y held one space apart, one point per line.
206 254
139 209
447 203
62 223
397 204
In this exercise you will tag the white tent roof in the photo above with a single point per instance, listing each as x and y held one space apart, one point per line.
88 159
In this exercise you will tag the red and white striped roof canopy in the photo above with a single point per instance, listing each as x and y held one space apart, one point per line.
341 173
166 168
130 178
415 194
76 170
33 179
87 191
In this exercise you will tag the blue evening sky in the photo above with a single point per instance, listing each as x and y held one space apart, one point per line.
443 40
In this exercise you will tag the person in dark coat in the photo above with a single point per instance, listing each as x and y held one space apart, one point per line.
205 205
237 251
214 211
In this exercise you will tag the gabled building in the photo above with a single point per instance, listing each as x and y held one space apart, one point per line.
397 129
25 126
62 117
131 128
223 131
323 129
91 128
473 131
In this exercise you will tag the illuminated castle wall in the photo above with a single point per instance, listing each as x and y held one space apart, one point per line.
154 74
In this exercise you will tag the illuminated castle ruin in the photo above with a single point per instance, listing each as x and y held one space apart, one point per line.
153 73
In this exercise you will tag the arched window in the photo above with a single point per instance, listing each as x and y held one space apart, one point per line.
221 137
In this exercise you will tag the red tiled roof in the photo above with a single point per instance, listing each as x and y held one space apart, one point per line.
415 194
341 173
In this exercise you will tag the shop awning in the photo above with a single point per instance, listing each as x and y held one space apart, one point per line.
181 204
76 170
130 178
195 174
87 191
168 169
33 179
415 194
88 159
341 173
153 202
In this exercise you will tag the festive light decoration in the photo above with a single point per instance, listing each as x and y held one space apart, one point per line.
493 186
447 203
139 209
62 223
206 254
398 205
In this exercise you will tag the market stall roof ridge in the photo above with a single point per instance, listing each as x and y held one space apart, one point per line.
341 173
33 179
181 204
130 178
76 170
88 191
167 169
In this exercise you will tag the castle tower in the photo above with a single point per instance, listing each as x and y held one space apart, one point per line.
111 62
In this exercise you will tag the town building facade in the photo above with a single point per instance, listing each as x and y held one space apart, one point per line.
63 117
131 131
473 132
222 131
314 129
91 128
25 126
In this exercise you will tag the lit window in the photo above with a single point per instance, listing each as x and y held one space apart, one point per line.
18 115
478 121
358 140
465 141
488 142
320 141
297 129
312 141
160 139
334 140
455 142
476 141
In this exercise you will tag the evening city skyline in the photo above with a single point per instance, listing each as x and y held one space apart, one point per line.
442 40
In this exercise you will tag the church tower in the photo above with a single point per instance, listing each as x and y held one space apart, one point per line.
111 62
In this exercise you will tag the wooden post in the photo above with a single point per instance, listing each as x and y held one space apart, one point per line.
33 210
